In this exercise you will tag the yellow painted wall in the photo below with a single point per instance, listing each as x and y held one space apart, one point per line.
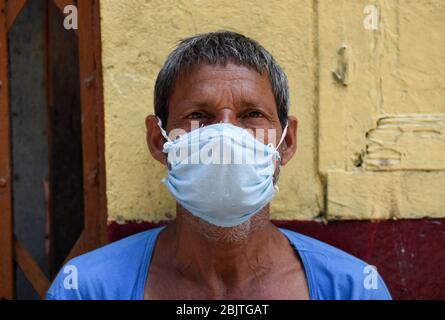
396 72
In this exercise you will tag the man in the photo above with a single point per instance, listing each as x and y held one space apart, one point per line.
212 88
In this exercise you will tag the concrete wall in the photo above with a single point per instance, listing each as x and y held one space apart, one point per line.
372 129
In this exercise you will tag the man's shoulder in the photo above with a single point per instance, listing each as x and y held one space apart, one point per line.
336 273
112 254
112 266
321 249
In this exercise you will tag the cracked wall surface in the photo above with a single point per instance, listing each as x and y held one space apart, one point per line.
401 143
381 134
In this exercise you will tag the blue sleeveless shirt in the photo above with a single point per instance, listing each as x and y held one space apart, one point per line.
119 271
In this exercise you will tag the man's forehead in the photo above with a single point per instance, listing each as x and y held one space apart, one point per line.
209 78
210 72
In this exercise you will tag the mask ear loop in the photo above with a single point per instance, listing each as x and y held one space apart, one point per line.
283 135
163 132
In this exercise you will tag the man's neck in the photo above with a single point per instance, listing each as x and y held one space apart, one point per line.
226 262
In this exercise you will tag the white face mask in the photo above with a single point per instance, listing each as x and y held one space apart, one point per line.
221 173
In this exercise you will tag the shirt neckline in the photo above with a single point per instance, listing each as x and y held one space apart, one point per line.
154 235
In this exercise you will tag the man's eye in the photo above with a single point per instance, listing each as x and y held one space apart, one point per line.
195 115
254 114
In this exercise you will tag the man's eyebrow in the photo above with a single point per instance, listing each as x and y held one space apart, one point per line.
197 103
206 104
207 101
254 104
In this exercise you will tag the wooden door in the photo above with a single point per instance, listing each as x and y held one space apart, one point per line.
61 50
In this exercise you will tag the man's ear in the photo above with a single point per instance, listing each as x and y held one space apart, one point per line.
155 139
289 146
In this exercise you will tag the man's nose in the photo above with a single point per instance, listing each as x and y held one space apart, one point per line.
227 115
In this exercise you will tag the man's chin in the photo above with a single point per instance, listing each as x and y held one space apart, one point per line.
238 234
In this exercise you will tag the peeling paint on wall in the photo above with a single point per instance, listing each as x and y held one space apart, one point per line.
410 142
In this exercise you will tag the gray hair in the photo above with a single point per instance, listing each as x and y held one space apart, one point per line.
220 48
